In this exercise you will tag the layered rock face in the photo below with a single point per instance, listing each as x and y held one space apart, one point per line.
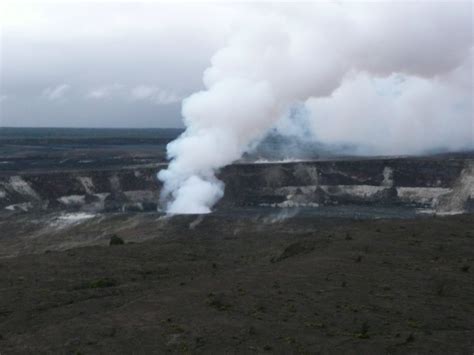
442 184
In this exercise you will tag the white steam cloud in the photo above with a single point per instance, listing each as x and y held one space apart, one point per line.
392 77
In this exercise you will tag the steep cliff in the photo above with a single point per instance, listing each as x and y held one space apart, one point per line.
446 185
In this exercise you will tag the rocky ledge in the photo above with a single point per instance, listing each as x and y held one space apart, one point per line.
442 184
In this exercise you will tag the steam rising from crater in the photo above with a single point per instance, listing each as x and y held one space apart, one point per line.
393 78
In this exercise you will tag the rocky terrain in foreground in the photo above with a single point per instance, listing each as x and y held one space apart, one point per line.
218 284
332 256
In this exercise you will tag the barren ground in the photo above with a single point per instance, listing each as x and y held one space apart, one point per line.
238 285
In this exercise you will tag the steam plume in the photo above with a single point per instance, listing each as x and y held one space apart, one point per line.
286 55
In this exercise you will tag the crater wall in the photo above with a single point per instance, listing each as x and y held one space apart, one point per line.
443 184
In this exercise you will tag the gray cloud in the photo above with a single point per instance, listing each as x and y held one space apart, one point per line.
56 93
145 93
92 45
104 92
155 95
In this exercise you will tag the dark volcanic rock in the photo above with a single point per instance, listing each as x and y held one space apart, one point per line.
115 240
410 293
297 248
421 182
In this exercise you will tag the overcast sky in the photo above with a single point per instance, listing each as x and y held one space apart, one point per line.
129 64
104 64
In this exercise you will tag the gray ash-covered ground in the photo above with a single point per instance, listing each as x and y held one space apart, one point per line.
218 284
360 274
